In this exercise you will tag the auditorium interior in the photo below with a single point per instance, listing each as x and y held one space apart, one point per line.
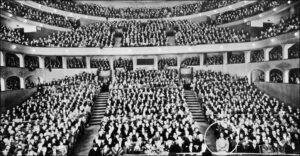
149 77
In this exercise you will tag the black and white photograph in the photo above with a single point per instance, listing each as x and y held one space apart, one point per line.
150 77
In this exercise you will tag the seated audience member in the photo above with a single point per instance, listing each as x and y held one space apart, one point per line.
257 116
213 60
76 63
294 51
126 64
287 24
294 76
247 11
257 56
31 62
276 77
33 14
222 144
53 62
191 61
275 54
12 35
236 58
12 60
165 62
138 13
101 64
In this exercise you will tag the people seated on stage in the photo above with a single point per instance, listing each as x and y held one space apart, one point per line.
51 120
191 61
37 15
255 114
139 12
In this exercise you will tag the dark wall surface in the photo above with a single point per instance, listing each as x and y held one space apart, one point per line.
288 93
12 98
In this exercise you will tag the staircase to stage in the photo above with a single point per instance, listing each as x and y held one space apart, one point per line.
98 109
194 106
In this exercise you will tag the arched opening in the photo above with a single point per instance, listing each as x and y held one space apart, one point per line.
276 76
275 53
12 60
257 55
31 62
31 81
13 83
294 51
257 75
294 76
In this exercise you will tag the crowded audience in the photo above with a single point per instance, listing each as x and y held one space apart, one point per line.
12 60
139 12
191 61
53 62
276 76
31 62
294 51
234 58
138 34
275 53
76 62
37 15
126 64
287 24
294 76
246 116
13 83
166 62
51 120
189 33
257 56
101 64
247 11
213 60
261 77
142 78
12 35
147 120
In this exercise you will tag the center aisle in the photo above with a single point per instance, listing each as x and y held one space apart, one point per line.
86 141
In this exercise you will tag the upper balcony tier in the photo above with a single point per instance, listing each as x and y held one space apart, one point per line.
191 10
292 37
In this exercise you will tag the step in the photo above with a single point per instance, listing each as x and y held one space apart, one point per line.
96 120
98 110
97 113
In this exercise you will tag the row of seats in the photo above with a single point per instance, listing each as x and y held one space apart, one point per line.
137 13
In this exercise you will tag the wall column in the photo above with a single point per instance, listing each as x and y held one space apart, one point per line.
201 57
179 60
88 62
2 58
2 81
21 58
266 53
22 83
111 63
267 76
225 58
155 66
41 61
247 56
286 76
64 62
285 50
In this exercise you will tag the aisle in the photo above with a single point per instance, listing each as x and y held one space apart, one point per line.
86 141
